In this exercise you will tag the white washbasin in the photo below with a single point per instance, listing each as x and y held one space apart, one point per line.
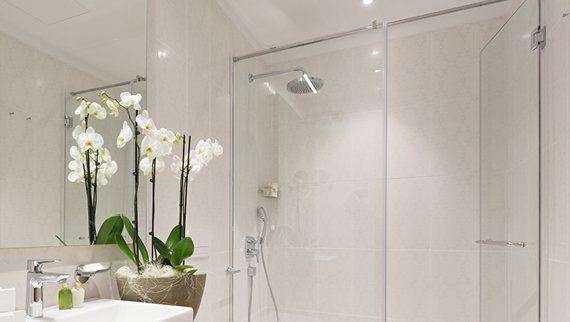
101 310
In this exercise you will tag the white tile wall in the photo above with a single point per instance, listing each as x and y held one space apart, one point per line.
555 181
190 43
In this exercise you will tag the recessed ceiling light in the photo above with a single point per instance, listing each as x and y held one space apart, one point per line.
367 1
378 70
375 52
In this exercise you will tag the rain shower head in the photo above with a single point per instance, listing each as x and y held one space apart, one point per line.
305 85
302 85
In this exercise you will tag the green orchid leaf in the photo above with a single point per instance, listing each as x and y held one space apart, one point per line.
113 224
131 231
164 251
182 250
183 267
123 246
60 240
174 237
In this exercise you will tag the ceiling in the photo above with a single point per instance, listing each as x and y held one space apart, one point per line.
288 21
106 38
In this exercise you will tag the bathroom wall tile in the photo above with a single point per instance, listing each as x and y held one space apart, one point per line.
410 70
304 279
366 134
557 80
335 206
557 173
558 290
452 137
452 213
452 286
199 15
408 289
168 23
408 213
333 277
220 50
453 63
493 284
409 137
367 283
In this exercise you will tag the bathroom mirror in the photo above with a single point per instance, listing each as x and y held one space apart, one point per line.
49 49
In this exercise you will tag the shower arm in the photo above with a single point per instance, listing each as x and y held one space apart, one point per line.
252 77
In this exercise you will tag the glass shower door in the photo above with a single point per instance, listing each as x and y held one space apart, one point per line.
510 166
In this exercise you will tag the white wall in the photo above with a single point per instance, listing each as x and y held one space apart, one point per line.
189 46
555 135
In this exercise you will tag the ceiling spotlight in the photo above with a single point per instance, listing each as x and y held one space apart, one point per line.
378 70
375 52
367 1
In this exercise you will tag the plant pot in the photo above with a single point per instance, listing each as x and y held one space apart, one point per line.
186 290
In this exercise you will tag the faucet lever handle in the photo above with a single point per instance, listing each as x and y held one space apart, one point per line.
35 265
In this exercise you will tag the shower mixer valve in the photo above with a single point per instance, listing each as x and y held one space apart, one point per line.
250 247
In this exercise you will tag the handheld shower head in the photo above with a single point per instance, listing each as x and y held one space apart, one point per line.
263 216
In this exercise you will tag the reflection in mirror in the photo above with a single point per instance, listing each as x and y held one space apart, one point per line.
47 50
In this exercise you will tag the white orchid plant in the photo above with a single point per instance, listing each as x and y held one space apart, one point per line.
149 157
91 164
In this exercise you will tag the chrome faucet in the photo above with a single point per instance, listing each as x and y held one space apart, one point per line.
35 286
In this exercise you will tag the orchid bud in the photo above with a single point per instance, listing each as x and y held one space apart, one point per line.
104 100
79 98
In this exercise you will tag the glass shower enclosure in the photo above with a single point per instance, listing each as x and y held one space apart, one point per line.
314 162
362 199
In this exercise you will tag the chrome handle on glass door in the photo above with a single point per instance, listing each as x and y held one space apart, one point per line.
501 243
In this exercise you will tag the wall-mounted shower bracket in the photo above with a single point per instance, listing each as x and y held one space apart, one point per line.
252 77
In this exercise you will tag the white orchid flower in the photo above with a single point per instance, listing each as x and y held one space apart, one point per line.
90 140
146 165
76 175
101 179
152 147
167 138
216 148
125 135
176 166
145 122
76 154
96 110
110 169
197 162
78 130
204 149
82 110
113 106
127 99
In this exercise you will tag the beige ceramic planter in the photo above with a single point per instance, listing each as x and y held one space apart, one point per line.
185 290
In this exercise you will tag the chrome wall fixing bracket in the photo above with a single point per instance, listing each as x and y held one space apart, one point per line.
538 38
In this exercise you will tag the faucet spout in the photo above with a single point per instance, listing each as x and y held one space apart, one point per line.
35 286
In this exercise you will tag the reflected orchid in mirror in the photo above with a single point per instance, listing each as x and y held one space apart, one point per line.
91 164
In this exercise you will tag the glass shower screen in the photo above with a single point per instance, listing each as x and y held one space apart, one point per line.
510 167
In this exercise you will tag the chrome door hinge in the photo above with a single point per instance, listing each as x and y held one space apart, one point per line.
538 38
68 121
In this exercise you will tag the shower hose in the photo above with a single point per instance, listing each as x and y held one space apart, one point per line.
268 284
